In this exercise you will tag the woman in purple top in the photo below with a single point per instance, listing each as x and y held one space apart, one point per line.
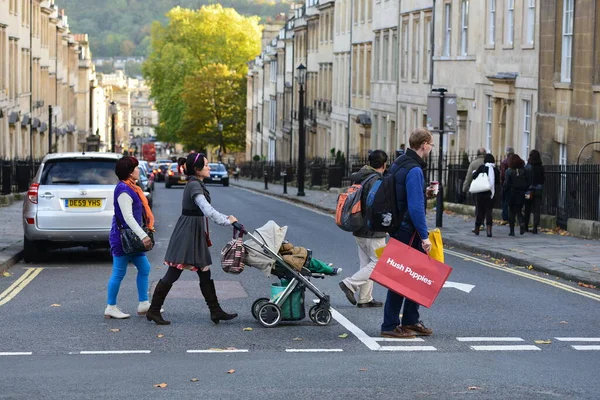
131 210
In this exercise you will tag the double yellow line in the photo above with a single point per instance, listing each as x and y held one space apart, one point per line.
527 275
19 285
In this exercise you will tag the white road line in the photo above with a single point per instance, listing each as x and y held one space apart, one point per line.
578 339
114 352
356 331
16 353
584 347
385 339
505 348
313 350
407 348
217 351
489 339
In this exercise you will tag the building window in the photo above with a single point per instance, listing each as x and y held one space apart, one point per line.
427 50
416 49
385 57
526 127
375 132
488 124
464 27
394 56
530 22
447 28
377 47
567 41
273 71
404 65
272 114
367 76
510 23
562 154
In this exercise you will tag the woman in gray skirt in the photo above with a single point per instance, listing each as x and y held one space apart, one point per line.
188 247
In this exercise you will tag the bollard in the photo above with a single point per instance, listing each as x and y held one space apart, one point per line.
266 181
284 175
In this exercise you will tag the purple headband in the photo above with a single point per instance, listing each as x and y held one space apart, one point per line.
196 159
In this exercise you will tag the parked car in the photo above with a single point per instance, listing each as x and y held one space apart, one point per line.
149 174
174 177
144 183
70 202
218 174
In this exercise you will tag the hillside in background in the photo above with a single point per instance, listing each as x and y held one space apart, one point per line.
122 27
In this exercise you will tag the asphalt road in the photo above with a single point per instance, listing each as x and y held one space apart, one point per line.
56 344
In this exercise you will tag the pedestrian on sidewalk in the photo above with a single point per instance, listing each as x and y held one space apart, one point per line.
131 211
516 184
485 200
503 167
476 163
410 195
190 240
533 200
366 240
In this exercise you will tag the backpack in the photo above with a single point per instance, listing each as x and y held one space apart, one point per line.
234 254
382 208
349 214
520 180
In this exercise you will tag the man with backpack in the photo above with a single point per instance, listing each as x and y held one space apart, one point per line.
410 193
367 241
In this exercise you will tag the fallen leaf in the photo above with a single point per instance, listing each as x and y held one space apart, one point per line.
530 267
564 322
160 385
343 335
231 371
547 341
54 305
115 330
160 335
297 338
194 380
362 369
247 329
585 285
6 273
474 388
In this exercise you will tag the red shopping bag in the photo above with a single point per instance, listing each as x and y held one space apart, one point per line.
410 273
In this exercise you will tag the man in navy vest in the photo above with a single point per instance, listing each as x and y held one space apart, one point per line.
410 195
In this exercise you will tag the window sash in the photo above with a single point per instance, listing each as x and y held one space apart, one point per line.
464 14
492 22
510 22
530 22
488 123
567 41
447 28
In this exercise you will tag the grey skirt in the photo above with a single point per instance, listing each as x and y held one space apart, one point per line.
188 244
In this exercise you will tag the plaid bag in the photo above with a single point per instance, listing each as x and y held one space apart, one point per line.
233 254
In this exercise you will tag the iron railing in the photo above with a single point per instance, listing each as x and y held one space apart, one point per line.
16 174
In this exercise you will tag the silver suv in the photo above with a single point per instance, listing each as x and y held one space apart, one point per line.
70 202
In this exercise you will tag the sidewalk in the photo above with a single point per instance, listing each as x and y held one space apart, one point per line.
567 257
11 235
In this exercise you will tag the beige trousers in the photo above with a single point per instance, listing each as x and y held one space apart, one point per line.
366 256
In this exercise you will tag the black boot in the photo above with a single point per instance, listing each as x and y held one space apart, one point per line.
535 230
489 230
477 227
522 229
210 295
512 230
158 298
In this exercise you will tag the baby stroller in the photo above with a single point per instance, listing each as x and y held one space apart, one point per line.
263 248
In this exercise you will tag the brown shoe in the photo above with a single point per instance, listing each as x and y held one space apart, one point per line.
372 303
419 329
399 332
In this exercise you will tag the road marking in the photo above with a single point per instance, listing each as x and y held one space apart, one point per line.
558 285
407 348
578 339
114 352
19 285
505 348
585 347
367 340
489 339
16 353
464 287
382 339
313 350
217 351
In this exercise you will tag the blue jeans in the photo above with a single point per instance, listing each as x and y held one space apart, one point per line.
394 301
120 269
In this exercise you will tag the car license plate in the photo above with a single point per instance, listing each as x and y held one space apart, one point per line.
83 203
216 178
181 181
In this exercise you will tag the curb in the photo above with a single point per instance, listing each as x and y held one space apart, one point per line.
558 271
15 254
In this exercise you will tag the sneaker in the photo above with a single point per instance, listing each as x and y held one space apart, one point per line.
399 332
419 329
336 271
348 293
372 303
114 312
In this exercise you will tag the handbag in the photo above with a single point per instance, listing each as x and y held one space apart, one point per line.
233 254
480 184
437 246
131 242
410 273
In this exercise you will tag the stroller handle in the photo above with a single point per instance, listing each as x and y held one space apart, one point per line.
239 227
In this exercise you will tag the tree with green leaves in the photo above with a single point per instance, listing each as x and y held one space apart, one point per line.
196 46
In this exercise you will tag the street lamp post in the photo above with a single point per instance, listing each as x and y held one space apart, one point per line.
301 78
220 128
113 109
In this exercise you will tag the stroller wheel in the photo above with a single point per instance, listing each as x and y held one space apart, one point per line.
312 312
322 317
257 304
269 315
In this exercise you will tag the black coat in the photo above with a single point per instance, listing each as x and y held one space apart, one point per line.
516 183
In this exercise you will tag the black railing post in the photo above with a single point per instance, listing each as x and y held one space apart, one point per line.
284 175
266 174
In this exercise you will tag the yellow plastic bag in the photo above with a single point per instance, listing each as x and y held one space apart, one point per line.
379 251
437 246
